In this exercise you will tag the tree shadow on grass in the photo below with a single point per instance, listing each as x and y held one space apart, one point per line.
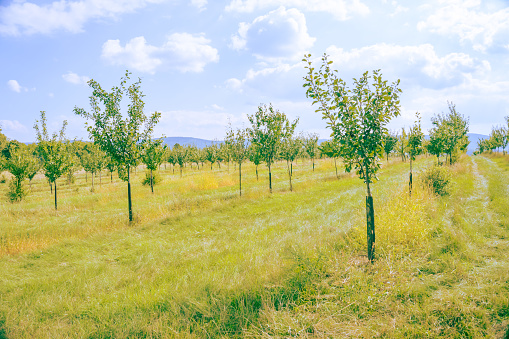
3 334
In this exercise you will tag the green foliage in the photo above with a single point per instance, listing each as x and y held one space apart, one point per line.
120 138
437 179
357 116
448 134
390 142
156 178
269 127
153 154
55 152
415 138
310 143
22 164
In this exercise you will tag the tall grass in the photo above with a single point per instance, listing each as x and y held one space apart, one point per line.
202 262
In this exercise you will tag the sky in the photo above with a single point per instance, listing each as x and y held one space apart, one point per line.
204 63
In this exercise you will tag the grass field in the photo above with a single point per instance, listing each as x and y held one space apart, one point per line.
201 262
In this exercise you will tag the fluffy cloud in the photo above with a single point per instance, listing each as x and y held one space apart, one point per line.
75 79
471 21
14 85
182 51
417 65
200 4
22 17
341 9
279 35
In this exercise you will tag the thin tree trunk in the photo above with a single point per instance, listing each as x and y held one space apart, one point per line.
55 194
240 178
410 181
313 164
270 180
256 172
51 186
336 165
370 223
289 174
129 195
151 182
180 171
111 176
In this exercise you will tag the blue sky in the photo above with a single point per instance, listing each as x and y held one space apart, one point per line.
204 63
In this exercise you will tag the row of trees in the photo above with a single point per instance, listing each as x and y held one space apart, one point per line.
498 139
357 117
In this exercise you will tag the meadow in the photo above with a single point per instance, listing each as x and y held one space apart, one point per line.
201 262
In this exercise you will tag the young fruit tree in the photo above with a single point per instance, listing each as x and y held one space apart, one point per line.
92 160
153 156
117 136
330 149
311 147
269 127
390 142
238 142
54 152
290 148
451 131
415 139
21 163
358 117
255 157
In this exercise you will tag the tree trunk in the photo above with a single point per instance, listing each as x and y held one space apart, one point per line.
55 195
180 171
240 178
410 181
270 180
256 172
111 176
151 182
313 164
51 186
370 221
129 195
289 174
100 181
336 165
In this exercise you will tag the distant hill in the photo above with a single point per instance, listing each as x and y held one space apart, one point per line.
473 138
201 143
184 141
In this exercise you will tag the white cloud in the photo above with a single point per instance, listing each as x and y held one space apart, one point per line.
200 4
12 126
75 79
341 9
279 35
15 86
420 65
22 17
469 20
182 51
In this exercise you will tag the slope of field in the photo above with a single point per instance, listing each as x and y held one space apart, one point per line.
202 262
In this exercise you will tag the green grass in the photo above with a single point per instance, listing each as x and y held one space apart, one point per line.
201 262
